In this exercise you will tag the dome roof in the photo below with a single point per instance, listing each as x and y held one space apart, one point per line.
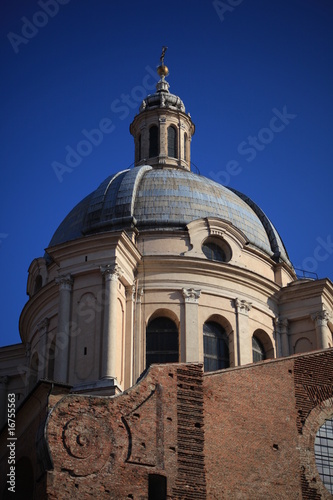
160 199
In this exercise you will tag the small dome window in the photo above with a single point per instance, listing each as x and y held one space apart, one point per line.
215 249
38 283
153 141
172 142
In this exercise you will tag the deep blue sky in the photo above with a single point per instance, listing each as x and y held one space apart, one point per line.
231 68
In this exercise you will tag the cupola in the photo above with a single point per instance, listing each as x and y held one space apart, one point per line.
162 130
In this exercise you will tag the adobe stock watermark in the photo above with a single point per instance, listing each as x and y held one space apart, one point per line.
94 137
250 147
30 28
321 253
222 8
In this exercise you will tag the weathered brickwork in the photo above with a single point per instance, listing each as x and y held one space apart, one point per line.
250 433
260 425
313 386
241 433
190 482
108 447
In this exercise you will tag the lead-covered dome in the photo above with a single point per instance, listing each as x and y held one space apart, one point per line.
162 199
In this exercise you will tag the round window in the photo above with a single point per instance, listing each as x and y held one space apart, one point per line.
216 250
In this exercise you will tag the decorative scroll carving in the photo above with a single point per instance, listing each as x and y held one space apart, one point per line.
321 317
243 306
87 441
111 272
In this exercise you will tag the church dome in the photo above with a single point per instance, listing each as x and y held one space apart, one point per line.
160 199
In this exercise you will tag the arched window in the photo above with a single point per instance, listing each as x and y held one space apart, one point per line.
38 283
172 142
216 347
139 147
162 344
324 453
258 351
153 141
185 146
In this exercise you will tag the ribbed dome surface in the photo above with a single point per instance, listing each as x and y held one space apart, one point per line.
166 198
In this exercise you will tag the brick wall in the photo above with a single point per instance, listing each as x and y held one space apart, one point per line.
254 417
108 447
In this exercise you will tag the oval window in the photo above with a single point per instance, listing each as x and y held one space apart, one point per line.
216 250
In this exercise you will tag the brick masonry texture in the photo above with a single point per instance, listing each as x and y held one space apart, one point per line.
254 418
241 433
107 447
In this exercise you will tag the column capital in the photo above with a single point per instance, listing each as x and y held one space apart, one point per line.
139 294
111 272
191 295
130 292
281 324
243 306
321 317
65 282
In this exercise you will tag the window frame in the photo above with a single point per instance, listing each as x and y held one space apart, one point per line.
222 359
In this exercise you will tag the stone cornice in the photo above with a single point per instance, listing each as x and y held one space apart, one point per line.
94 242
302 289
202 269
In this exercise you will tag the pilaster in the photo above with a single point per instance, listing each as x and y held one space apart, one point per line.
281 327
243 347
63 334
323 334
42 347
111 275
193 338
139 339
